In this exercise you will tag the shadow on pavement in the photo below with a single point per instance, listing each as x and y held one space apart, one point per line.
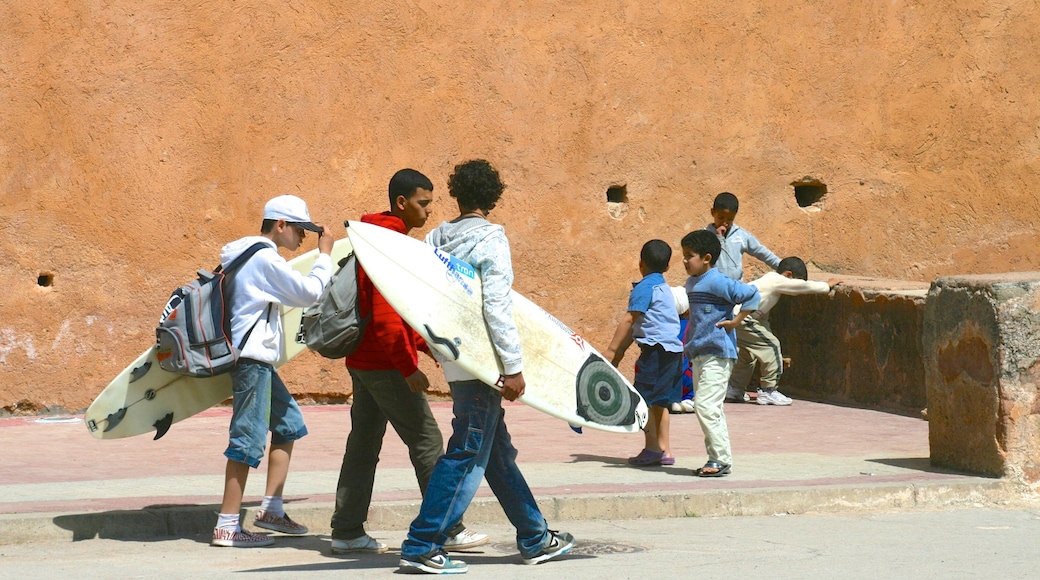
919 464
151 523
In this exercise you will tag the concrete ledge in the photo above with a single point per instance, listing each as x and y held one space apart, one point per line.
197 520
859 346
982 339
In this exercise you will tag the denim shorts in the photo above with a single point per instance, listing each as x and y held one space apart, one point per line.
260 403
658 375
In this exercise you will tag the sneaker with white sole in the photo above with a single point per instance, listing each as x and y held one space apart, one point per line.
239 539
559 544
675 408
283 523
436 562
773 398
364 543
688 406
465 540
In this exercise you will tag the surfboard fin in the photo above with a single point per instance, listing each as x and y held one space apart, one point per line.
140 371
575 428
114 419
163 425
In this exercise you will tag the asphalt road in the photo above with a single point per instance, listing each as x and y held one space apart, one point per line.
951 543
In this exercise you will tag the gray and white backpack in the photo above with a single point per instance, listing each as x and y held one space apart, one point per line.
194 333
333 327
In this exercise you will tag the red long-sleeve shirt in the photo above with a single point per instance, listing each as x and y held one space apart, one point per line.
387 343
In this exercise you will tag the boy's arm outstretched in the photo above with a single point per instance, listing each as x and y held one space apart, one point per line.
622 338
756 249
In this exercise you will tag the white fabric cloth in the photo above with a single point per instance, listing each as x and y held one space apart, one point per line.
266 278
772 286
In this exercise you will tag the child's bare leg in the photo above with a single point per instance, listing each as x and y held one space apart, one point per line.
278 468
650 432
235 476
663 422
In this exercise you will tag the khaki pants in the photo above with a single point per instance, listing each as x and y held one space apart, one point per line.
710 376
756 344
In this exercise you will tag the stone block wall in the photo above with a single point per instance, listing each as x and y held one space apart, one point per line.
858 346
981 339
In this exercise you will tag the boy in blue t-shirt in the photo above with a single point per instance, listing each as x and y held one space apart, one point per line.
711 342
653 323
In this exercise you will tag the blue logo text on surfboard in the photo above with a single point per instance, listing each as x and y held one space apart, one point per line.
455 264
456 269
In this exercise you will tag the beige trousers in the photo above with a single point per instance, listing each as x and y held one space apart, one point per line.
756 344
710 377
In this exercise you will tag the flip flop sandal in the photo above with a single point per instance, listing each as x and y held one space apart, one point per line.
647 457
720 469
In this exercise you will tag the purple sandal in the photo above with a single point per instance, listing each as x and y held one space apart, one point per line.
647 457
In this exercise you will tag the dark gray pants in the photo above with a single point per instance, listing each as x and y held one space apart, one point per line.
379 397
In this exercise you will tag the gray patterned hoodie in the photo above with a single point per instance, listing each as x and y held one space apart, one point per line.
484 246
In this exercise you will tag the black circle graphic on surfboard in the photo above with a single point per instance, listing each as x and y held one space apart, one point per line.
602 396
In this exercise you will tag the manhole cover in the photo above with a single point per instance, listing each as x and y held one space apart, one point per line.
583 547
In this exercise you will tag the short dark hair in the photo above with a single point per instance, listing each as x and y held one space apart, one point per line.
727 201
267 226
405 182
703 243
656 254
795 266
476 185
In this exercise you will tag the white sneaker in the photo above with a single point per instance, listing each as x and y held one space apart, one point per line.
239 539
773 398
676 408
688 406
465 540
365 543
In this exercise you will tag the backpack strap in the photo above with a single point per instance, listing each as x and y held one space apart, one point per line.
241 258
250 331
236 264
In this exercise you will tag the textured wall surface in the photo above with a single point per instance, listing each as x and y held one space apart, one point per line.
859 346
981 338
137 137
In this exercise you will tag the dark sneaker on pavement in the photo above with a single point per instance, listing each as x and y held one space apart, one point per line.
436 562
559 544
281 524
364 543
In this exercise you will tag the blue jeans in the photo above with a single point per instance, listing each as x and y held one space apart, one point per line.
479 447
260 403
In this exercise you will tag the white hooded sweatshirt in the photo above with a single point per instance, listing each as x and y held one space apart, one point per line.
260 287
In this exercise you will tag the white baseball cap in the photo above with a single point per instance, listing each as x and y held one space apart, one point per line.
291 209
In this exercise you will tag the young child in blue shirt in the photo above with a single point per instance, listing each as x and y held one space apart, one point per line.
711 342
652 322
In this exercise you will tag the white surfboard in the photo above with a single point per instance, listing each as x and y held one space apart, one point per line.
440 297
145 398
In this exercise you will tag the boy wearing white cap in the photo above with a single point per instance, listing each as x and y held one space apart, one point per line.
261 403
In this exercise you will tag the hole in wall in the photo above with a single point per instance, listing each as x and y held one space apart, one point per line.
808 191
45 279
617 201
617 194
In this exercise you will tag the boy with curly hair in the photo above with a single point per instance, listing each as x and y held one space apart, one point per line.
480 446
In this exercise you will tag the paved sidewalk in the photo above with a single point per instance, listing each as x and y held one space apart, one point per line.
58 482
